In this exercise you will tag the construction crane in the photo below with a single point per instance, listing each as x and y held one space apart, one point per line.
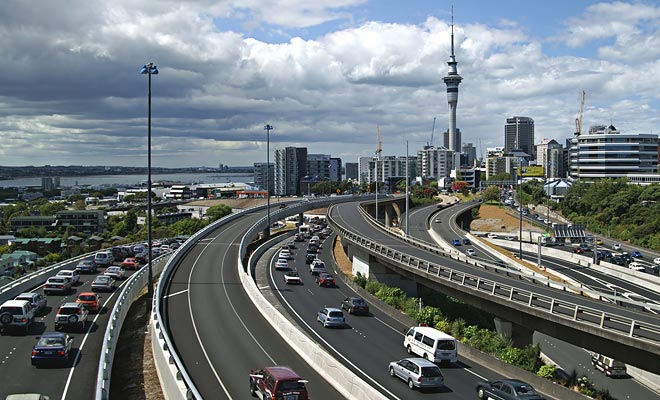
432 132
578 120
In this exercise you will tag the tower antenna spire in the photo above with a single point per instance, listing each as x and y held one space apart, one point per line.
452 30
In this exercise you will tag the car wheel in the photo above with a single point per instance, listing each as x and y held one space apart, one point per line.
5 318
481 393
73 319
391 372
411 385
350 310
253 390
409 350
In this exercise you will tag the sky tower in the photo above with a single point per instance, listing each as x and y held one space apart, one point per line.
452 80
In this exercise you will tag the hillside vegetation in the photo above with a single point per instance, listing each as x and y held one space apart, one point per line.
617 209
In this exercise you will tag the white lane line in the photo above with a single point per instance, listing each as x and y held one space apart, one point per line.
174 294
82 344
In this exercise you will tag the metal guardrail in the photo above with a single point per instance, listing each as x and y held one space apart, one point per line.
587 316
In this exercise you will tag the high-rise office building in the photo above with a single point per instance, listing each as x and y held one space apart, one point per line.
264 176
352 170
335 169
470 153
290 167
318 165
519 135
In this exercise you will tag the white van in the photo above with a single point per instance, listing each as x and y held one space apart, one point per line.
608 365
430 343
104 258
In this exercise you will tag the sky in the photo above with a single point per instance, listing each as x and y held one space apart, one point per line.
326 74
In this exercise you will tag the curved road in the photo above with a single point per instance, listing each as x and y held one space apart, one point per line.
218 333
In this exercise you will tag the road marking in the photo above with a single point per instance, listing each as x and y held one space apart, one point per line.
82 344
174 294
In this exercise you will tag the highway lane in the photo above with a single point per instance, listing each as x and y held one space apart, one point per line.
77 380
568 356
369 343
217 331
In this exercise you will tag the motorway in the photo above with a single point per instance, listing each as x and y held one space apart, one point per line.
368 343
77 380
217 331
568 356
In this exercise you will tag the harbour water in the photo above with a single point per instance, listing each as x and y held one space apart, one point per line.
131 180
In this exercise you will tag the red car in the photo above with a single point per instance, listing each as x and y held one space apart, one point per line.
325 280
277 382
578 250
90 300
129 263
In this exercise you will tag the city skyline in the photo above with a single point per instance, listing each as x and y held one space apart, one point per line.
323 73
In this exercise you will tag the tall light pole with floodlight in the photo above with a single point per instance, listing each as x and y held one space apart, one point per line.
149 69
520 209
268 128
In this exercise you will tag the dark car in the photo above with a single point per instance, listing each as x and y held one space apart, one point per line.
277 382
467 241
309 258
507 389
86 267
325 280
355 305
578 250
636 254
52 347
456 242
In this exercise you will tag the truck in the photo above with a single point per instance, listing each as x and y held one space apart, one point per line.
305 230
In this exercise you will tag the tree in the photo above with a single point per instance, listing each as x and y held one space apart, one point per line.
187 226
216 212
492 193
51 208
79 205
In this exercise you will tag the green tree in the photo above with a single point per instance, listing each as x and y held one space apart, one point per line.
79 205
51 208
492 193
187 226
216 212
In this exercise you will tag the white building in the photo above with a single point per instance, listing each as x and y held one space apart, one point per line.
434 162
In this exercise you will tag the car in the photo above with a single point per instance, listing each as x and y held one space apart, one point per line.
656 261
278 382
599 242
310 257
130 263
355 305
290 244
312 248
52 347
57 284
317 267
86 267
292 278
456 242
37 300
325 280
70 274
491 236
70 315
437 220
616 246
466 241
578 250
281 263
90 300
506 389
510 238
104 258
417 372
636 254
285 254
115 272
618 260
103 283
470 252
635 266
329 316
16 315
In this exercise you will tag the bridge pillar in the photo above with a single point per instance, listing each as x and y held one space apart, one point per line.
368 266
520 335
388 216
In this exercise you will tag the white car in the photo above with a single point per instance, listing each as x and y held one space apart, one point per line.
115 273
471 252
71 274
281 263
292 278
616 246
492 236
317 267
656 261
635 266
285 254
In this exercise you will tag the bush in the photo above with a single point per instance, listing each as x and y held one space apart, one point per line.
360 280
373 287
548 372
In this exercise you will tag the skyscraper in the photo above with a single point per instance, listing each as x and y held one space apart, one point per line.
452 80
519 135
290 167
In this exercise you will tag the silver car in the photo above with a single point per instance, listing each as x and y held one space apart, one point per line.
37 300
417 372
331 317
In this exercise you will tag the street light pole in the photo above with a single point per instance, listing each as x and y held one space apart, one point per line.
149 69
268 128
407 194
521 208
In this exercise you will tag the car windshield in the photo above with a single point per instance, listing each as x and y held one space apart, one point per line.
87 298
29 297
51 342
56 280
358 302
286 386
102 279
431 372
